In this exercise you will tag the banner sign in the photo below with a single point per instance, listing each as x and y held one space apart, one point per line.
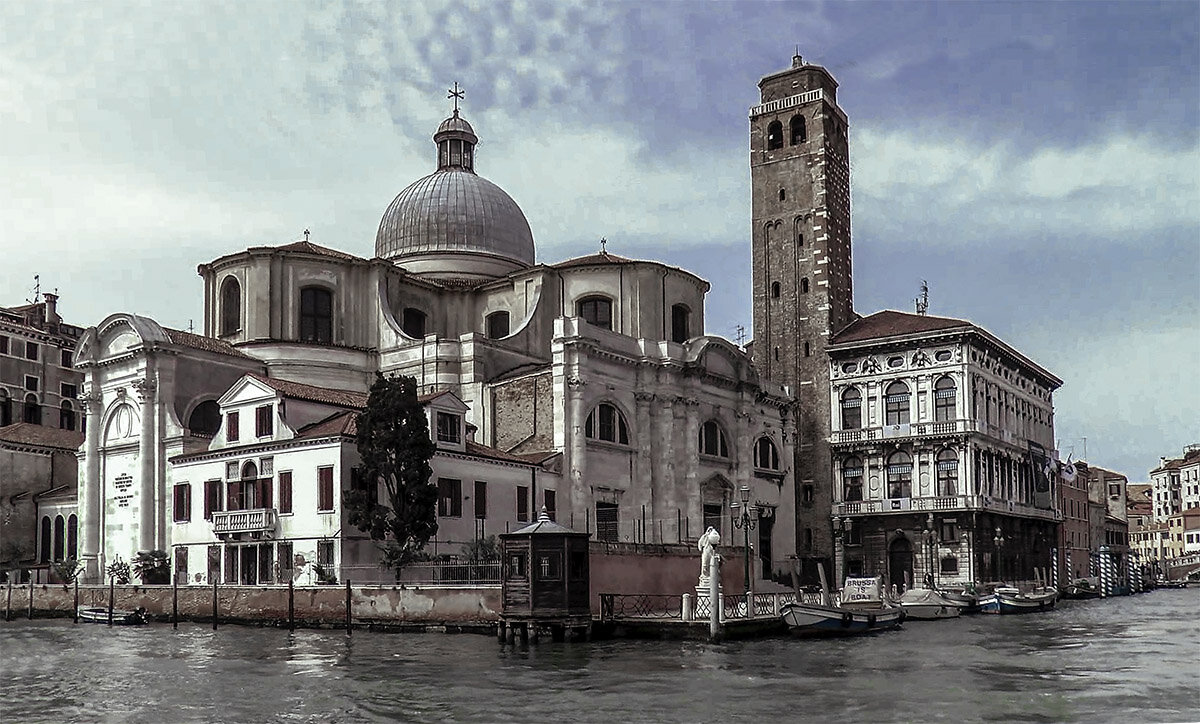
1042 466
861 590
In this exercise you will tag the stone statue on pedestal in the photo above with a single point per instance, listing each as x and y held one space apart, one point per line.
708 548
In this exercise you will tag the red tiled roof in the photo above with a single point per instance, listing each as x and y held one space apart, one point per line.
457 282
601 258
310 248
341 423
483 451
890 323
324 395
207 344
42 436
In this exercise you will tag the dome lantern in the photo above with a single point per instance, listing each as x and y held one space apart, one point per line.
455 139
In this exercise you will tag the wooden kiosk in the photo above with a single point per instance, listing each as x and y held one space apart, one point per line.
544 582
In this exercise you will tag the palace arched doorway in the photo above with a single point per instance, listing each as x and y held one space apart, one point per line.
900 563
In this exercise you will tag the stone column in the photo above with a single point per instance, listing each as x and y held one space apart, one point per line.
692 500
663 467
647 450
576 446
145 388
90 491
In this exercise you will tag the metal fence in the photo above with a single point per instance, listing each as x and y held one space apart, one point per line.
621 606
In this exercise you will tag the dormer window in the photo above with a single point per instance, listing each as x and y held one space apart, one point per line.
264 421
449 428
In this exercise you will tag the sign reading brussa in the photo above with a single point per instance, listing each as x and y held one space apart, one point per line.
861 590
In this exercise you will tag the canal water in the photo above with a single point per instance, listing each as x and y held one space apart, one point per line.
1115 660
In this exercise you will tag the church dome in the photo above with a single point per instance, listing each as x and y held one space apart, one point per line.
454 221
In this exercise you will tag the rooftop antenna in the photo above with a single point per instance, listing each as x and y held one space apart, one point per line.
37 289
456 93
603 244
923 300
741 335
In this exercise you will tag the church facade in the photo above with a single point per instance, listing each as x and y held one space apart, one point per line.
591 375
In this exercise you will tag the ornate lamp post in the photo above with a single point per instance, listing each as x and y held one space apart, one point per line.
746 517
841 530
930 537
998 539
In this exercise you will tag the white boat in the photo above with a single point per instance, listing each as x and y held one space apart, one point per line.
1007 600
100 614
926 604
859 609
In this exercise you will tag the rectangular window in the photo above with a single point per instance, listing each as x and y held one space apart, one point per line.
31 383
449 428
480 499
284 555
950 565
233 495
325 489
550 500
181 565
263 421
808 538
67 391
549 566
266 564
516 565
522 504
31 350
285 491
325 553
265 489
809 494
712 516
231 564
212 498
66 358
854 536
214 564
183 502
949 531
449 498
3 344
231 426
607 521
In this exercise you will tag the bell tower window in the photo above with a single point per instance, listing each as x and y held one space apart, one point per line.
798 131
774 136
231 306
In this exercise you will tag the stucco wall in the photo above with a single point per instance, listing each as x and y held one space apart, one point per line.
665 570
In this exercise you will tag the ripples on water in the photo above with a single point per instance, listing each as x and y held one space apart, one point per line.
1118 660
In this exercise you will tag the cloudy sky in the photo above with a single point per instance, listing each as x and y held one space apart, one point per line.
1037 163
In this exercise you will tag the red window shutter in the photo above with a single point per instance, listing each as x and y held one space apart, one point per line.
264 493
285 492
325 483
231 427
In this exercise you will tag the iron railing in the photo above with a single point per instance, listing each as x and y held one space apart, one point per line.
638 606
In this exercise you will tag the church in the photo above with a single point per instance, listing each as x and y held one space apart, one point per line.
586 387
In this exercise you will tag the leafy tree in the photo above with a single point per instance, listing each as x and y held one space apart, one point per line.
153 567
482 550
394 444
118 570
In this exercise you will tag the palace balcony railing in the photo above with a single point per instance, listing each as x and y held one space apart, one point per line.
925 430
941 503
258 520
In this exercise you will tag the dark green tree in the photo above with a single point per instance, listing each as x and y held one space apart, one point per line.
395 447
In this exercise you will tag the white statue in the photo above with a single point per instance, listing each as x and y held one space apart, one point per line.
708 548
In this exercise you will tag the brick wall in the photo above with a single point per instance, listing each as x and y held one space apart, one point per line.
522 416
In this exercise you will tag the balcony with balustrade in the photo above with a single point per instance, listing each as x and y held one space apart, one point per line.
231 522
907 430
940 504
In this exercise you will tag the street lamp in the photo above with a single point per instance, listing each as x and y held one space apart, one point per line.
841 531
929 552
998 539
746 517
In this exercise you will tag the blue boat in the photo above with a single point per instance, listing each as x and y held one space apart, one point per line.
1008 600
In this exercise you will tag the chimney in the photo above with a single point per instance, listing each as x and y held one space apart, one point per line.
51 311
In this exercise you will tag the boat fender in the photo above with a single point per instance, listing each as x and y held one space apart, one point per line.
870 620
846 619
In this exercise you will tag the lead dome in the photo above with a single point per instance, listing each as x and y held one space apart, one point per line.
454 222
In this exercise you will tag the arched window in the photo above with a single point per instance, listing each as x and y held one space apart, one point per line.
607 423
807 349
799 133
595 310
681 318
33 411
66 416
798 231
60 537
947 472
73 537
944 393
804 285
497 325
766 455
775 290
774 136
899 475
896 404
249 471
47 540
231 306
316 315
851 409
5 408
412 321
712 440
852 476
783 194
205 419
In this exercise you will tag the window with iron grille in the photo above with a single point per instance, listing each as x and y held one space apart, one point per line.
606 521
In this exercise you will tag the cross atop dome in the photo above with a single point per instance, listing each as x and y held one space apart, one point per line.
457 94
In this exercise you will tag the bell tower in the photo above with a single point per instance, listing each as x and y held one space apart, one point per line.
803 294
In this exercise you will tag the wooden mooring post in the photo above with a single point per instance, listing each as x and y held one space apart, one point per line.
349 628
8 600
112 582
175 600
291 604
76 614
214 605
30 611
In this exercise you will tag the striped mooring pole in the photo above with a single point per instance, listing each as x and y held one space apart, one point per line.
1054 567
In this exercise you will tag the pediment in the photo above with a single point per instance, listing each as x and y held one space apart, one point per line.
247 390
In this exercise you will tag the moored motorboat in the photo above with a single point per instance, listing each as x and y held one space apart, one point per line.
1007 600
99 614
860 609
1082 589
967 599
927 604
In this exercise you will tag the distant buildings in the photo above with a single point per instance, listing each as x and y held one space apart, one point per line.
1176 484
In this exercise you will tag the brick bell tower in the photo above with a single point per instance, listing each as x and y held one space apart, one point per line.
803 294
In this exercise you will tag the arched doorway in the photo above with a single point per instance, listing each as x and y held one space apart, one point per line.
900 563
